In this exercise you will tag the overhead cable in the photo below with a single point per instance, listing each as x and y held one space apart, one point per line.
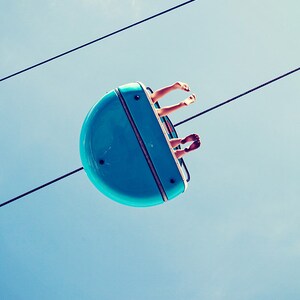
236 97
41 186
180 123
96 40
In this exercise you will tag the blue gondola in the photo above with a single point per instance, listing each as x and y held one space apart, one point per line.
125 149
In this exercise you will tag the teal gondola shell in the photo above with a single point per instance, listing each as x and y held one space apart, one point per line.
125 149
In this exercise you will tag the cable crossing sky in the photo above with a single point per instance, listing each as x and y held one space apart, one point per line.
184 121
107 36
97 40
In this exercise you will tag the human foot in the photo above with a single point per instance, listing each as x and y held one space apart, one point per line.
191 99
182 86
195 145
190 138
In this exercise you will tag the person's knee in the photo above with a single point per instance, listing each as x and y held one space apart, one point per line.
159 112
153 97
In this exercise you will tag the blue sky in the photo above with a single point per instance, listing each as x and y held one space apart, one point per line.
234 234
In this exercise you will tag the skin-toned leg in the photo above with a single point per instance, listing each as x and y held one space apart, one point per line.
170 109
195 145
175 142
165 90
179 153
191 138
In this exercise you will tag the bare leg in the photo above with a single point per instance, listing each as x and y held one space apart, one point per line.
169 109
195 145
165 90
179 153
175 142
190 138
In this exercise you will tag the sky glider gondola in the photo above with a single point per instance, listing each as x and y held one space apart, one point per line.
106 148
125 149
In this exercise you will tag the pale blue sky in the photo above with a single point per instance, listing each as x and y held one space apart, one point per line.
235 233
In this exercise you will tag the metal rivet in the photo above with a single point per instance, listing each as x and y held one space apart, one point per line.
136 97
172 180
101 162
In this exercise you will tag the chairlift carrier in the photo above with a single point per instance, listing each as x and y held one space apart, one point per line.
125 149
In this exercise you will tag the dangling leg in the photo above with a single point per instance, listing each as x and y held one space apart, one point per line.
191 138
175 142
165 90
169 109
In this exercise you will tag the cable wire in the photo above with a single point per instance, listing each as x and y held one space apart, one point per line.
41 186
184 121
97 40
236 97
